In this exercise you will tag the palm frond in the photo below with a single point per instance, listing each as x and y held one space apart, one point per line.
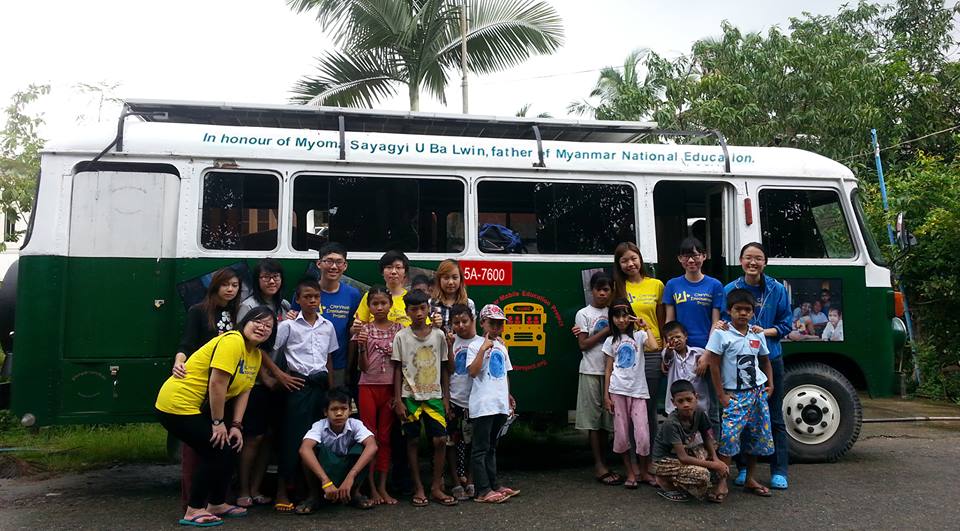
357 80
504 33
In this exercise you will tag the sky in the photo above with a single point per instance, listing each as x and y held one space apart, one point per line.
253 51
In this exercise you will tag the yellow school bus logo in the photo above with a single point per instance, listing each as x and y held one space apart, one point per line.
524 326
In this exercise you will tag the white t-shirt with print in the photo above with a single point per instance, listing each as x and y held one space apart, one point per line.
460 381
591 320
490 393
628 377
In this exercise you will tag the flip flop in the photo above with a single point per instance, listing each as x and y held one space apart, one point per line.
673 495
244 501
233 512
419 501
508 493
195 523
717 497
446 501
491 497
260 499
632 485
306 507
761 491
362 502
611 479
282 507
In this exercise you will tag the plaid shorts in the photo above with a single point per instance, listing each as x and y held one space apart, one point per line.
694 479
747 414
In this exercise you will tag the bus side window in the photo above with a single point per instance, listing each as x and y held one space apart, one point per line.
561 218
804 224
240 211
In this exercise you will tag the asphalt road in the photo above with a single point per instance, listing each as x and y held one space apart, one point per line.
899 475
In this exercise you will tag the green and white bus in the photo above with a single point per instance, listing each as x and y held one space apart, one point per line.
127 225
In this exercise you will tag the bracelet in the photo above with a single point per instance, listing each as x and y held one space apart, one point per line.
327 484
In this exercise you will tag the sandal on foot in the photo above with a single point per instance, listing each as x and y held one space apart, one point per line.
459 493
507 492
470 491
260 499
283 507
741 478
420 501
716 497
233 512
446 501
244 501
490 497
778 481
674 495
306 507
362 502
195 520
631 484
611 479
759 490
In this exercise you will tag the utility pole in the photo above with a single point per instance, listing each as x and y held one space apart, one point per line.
465 5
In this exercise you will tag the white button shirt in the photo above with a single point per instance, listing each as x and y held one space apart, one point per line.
306 346
354 432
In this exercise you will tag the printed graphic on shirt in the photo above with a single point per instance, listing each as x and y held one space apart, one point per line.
599 324
497 367
702 299
626 354
747 369
225 323
425 360
460 360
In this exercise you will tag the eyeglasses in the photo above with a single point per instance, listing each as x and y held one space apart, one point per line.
693 256
330 262
270 278
264 325
753 259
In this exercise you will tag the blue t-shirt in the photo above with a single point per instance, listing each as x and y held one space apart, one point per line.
694 303
740 365
338 308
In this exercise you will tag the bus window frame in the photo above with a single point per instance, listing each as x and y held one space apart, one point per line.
373 255
539 177
856 259
245 253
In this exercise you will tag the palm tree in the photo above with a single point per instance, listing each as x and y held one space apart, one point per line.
523 111
386 43
620 93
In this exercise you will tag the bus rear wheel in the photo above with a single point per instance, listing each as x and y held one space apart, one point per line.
822 413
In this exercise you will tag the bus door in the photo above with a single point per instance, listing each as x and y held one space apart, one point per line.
118 318
700 209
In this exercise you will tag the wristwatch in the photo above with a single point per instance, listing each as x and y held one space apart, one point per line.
217 422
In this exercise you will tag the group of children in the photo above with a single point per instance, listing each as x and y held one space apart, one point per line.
711 365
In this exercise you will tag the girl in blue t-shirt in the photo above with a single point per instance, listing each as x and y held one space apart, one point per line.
694 299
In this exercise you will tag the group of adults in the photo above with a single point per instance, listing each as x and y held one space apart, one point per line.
773 314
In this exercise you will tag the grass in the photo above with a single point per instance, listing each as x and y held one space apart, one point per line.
62 449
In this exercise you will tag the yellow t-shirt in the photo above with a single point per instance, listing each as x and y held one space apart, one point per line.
644 297
183 396
397 313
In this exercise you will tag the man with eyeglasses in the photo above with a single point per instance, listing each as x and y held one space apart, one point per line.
338 303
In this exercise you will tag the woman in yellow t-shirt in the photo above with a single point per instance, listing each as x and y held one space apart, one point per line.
195 410
645 294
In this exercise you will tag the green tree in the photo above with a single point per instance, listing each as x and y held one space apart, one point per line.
386 43
20 145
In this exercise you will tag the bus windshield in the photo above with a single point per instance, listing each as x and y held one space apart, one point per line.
872 248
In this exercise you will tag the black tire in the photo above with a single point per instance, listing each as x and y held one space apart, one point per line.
804 378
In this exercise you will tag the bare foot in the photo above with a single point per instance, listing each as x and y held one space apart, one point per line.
375 497
387 498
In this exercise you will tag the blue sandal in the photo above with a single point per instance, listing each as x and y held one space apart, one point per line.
741 478
195 521
778 481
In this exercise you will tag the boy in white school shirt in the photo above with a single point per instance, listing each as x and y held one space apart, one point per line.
306 344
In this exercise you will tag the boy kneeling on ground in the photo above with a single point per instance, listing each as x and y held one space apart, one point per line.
336 453
683 452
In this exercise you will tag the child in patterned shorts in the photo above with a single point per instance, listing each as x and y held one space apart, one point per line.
683 452
742 375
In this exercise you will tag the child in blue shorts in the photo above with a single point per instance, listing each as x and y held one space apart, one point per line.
741 373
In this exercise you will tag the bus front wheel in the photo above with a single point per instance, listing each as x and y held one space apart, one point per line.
822 413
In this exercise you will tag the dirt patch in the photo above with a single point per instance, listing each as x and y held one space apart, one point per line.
12 467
